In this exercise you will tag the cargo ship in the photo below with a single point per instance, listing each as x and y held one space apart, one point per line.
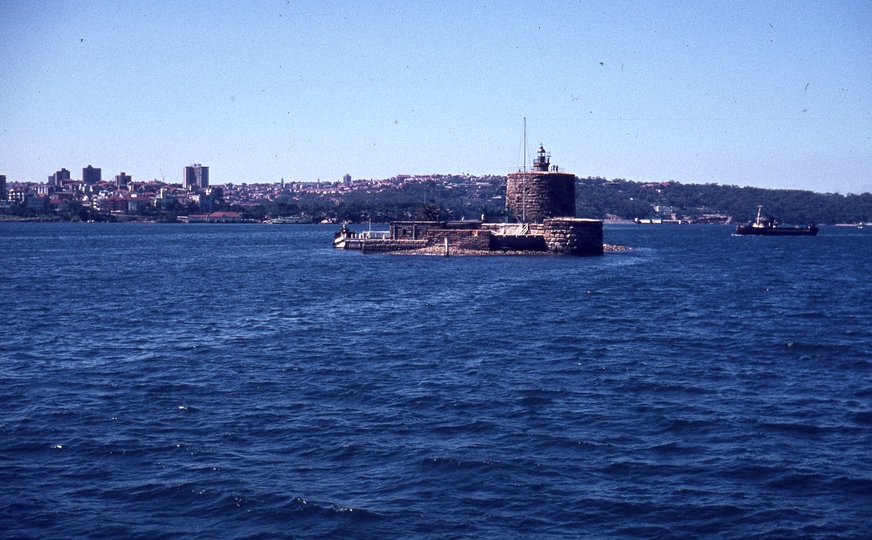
764 226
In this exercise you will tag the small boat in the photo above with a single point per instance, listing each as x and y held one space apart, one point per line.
764 226
343 237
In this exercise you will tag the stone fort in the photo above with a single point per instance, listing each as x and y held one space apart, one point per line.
541 199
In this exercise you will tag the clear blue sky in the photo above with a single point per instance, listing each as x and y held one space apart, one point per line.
774 94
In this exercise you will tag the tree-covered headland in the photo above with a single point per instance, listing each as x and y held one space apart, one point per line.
622 199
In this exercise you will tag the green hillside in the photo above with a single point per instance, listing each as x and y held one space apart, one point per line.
601 198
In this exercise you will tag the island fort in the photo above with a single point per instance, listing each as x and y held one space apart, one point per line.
543 201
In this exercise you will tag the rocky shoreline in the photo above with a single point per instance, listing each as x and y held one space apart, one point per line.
440 251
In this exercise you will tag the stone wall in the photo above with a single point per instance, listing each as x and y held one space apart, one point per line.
414 230
474 239
459 238
385 246
546 195
574 236
527 242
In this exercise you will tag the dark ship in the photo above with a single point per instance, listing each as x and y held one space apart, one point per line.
764 226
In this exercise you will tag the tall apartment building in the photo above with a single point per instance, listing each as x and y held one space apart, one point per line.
196 177
91 175
2 187
58 177
122 180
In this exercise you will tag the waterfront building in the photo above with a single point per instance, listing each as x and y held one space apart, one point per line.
163 196
57 204
91 175
2 187
136 203
204 201
37 203
196 177
214 217
114 204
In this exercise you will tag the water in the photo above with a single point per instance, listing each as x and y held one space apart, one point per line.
211 381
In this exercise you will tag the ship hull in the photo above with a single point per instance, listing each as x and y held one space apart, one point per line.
749 230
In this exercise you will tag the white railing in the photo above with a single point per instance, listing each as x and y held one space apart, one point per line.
375 235
513 229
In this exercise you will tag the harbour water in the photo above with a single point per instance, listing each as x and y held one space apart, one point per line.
249 381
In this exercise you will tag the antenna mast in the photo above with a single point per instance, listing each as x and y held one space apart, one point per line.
524 184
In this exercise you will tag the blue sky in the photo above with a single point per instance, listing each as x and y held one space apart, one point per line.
769 94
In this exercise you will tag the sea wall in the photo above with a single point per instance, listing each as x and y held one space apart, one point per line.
471 239
415 230
459 238
385 246
574 236
526 242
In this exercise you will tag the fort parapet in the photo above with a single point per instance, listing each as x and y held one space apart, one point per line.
574 236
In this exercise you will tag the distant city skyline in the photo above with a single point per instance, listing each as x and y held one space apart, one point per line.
766 94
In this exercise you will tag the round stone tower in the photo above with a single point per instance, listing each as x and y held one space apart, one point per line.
540 193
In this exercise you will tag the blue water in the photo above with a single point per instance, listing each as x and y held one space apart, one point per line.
247 381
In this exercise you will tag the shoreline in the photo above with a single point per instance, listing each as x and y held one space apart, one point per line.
439 251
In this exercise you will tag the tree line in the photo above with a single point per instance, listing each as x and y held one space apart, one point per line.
595 198
598 197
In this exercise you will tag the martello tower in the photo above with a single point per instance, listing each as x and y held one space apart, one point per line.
542 192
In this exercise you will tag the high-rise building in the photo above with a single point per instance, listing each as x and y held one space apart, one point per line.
122 180
91 175
58 177
196 177
2 187
346 179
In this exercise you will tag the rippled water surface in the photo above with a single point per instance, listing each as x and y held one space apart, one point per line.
203 381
